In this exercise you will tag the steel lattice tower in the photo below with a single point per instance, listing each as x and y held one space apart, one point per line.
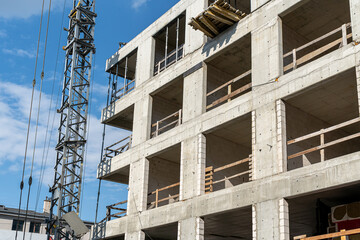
70 148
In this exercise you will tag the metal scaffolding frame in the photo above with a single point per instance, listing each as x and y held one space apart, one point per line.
66 190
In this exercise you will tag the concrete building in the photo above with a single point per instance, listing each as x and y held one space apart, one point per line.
35 224
247 128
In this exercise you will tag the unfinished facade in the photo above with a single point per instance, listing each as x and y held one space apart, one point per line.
245 123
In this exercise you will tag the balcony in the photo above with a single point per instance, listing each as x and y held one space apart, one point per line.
313 29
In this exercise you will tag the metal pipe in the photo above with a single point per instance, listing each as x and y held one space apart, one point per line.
125 75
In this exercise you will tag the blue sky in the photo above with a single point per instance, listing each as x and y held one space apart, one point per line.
117 21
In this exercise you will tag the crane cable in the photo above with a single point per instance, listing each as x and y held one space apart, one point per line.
102 152
37 120
29 122
49 132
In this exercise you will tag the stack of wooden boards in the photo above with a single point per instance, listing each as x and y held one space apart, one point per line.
216 18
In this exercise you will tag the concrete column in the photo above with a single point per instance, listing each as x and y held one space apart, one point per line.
194 97
265 158
267 52
284 220
358 84
192 167
254 225
267 220
355 19
194 39
255 4
135 236
281 135
145 61
138 186
192 228
142 120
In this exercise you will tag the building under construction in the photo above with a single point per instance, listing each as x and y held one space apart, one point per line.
245 123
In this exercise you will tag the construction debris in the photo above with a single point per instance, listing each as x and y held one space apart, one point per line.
216 18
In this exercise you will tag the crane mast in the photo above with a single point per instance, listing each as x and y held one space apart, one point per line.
66 190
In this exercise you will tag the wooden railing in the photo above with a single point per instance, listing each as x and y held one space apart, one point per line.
323 145
120 211
124 90
119 147
307 57
230 92
173 57
210 172
175 119
343 234
160 200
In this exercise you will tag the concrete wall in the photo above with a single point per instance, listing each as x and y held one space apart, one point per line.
272 183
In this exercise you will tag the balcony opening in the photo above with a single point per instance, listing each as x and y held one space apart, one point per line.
313 29
167 107
164 177
326 212
243 6
322 122
229 73
228 155
169 44
123 76
117 182
166 232
234 224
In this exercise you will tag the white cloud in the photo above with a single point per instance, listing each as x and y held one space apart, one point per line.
25 8
14 113
136 4
19 52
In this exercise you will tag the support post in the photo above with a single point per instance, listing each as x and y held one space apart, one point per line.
192 167
322 142
355 19
192 228
166 45
177 37
344 33
294 59
125 75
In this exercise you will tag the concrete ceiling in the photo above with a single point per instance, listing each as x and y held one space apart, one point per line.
302 210
171 154
167 232
236 59
314 18
123 120
232 225
237 131
172 92
333 101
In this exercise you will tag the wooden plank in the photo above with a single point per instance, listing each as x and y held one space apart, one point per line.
216 16
224 13
231 177
209 24
316 53
326 130
340 140
198 25
234 93
317 40
164 188
231 165
333 235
